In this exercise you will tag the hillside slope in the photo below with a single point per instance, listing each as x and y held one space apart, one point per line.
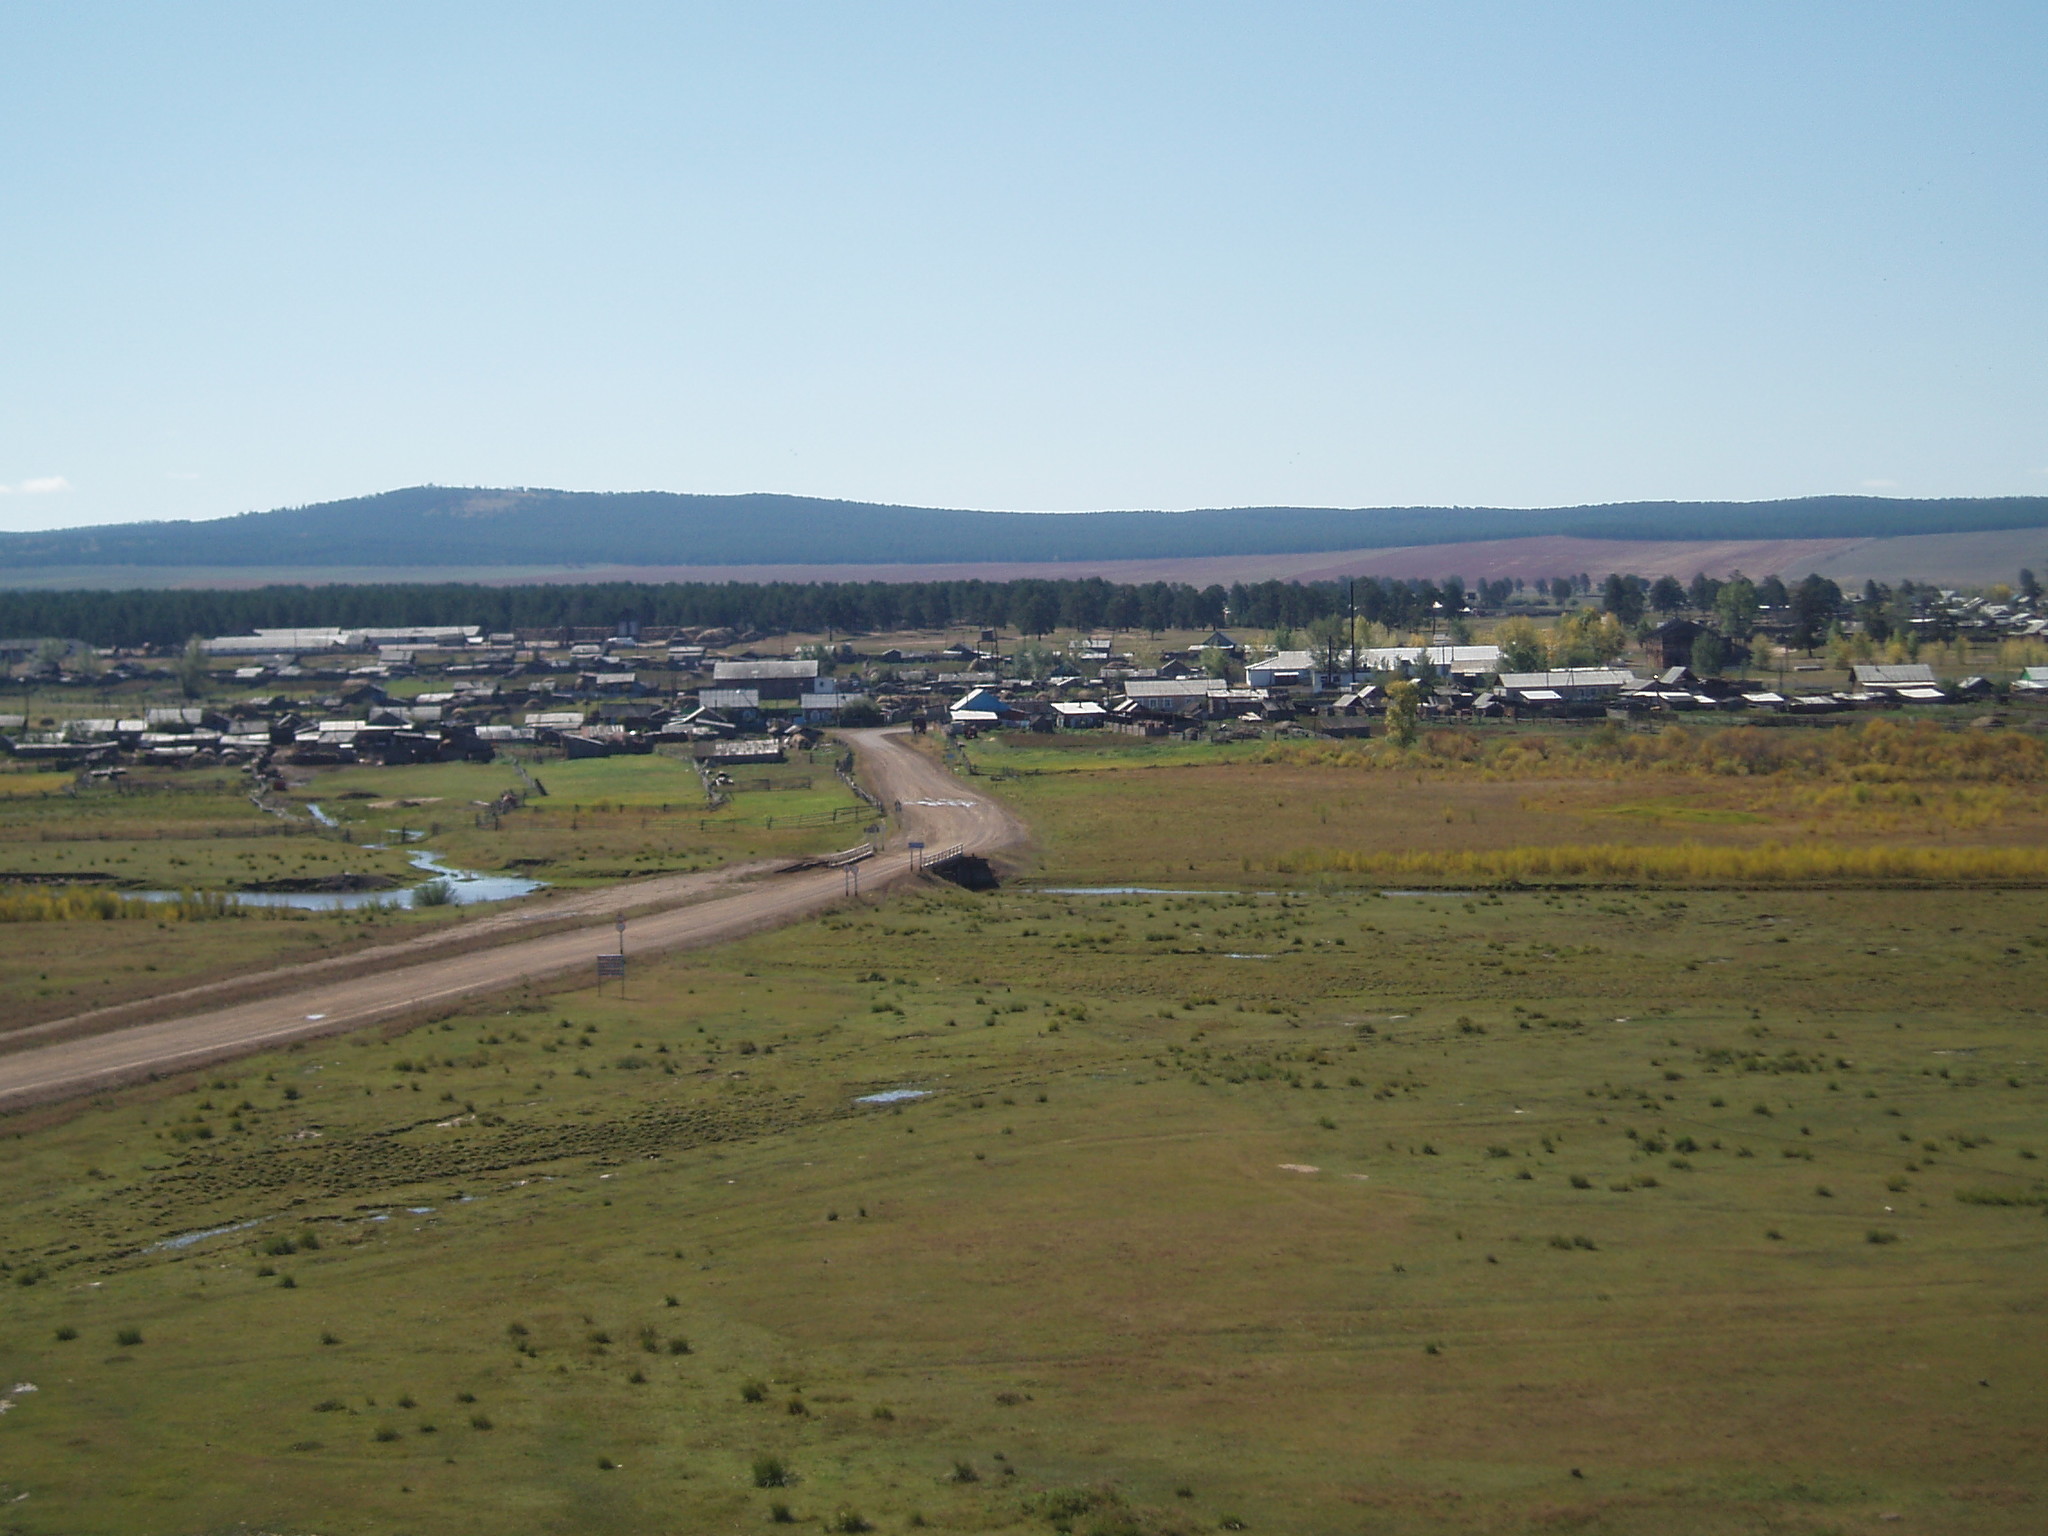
443 526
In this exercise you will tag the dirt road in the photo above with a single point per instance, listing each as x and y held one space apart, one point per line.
936 808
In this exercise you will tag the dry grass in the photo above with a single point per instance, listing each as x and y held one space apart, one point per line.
1687 864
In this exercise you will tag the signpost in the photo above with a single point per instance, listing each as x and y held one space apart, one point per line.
917 854
613 967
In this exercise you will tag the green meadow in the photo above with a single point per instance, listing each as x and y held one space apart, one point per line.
1318 1211
601 822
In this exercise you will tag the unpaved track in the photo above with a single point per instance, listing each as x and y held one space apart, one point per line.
350 1000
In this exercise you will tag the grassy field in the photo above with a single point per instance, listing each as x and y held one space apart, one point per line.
167 829
1270 1204
1117 809
604 820
1287 1213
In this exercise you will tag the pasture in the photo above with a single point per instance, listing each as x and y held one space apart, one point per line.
1458 807
603 821
1317 1211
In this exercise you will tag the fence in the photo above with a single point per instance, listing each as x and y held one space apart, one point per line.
829 818
844 768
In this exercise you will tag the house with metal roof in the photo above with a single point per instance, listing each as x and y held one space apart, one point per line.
768 679
1173 695
1909 680
1282 669
1569 685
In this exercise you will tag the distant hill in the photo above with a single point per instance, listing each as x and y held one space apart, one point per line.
448 527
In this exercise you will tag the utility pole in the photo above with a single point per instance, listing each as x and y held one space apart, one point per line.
1351 631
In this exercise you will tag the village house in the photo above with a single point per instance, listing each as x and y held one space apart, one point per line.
1914 681
768 679
1568 685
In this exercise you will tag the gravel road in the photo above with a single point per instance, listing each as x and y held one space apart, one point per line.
372 986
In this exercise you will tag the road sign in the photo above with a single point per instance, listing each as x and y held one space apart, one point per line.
611 967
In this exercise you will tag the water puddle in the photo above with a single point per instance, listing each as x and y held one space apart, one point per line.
1136 890
894 1096
187 1239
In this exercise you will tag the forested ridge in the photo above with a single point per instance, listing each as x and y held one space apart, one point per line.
154 616
453 526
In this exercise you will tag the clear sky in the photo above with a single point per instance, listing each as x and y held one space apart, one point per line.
1040 255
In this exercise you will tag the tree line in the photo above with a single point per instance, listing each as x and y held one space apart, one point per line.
169 617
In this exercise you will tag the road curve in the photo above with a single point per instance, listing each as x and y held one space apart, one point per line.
935 808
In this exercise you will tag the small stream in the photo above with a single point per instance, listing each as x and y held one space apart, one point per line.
466 887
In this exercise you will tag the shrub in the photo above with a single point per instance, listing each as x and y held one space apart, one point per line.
433 893
1880 1235
963 1472
480 1421
1580 1181
329 1338
679 1346
779 1514
753 1391
849 1520
66 1334
128 1338
329 1405
384 1434
769 1472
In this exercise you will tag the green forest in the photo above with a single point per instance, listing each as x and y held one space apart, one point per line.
170 617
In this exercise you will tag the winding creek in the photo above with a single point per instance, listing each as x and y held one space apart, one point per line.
466 887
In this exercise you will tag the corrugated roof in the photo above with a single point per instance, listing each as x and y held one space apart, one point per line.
762 671
1173 687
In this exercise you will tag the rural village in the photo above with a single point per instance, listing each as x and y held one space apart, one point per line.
396 695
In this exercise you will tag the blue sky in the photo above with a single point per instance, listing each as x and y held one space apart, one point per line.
1037 256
